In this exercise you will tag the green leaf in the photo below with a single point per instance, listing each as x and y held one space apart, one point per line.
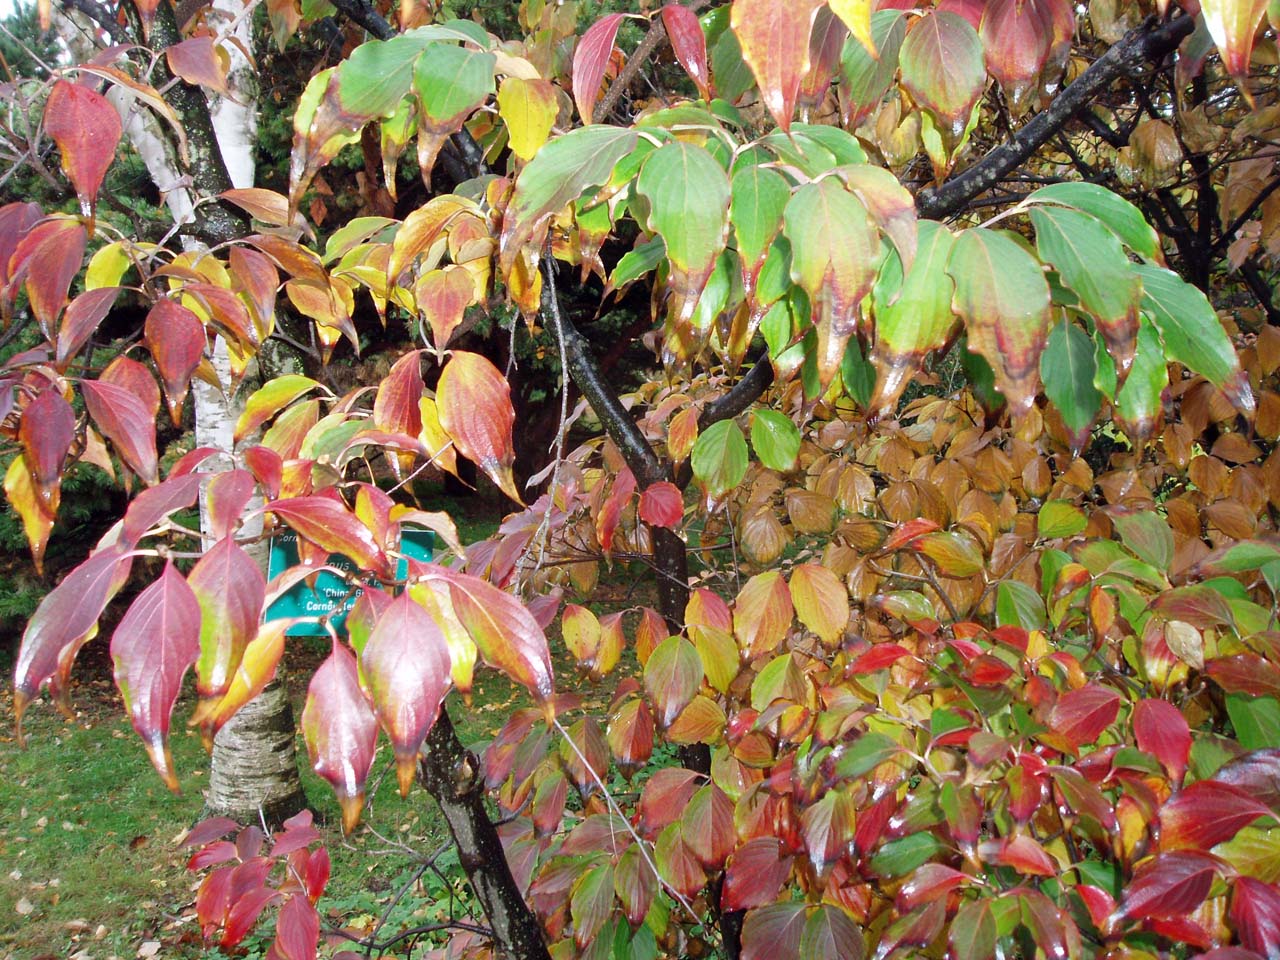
672 676
1256 720
451 82
1003 297
866 79
1147 535
1019 606
834 249
944 71
557 175
1124 219
899 857
1090 260
719 458
759 197
1192 333
917 320
775 439
865 754
688 194
1060 518
1138 404
635 263
857 374
1068 369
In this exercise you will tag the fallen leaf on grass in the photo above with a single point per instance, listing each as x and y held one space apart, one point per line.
25 907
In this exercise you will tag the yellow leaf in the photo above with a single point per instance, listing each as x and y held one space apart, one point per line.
856 15
528 108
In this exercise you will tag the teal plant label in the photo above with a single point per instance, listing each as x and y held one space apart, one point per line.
331 595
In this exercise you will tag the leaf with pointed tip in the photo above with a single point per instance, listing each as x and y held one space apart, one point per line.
1067 368
225 499
857 16
630 735
1169 885
504 631
178 491
1003 297
591 57
199 62
773 932
759 196
775 439
270 399
444 295
1161 730
830 932
560 173
1080 716
1192 333
662 505
1207 813
756 872
1255 913
396 404
774 36
474 402
87 130
1016 37
821 601
528 108
891 205
48 256
155 644
672 677
974 931
341 731
451 83
591 903
406 669
689 44
81 319
635 884
943 70
719 458
331 526
834 249
32 506
1139 405
865 76
230 589
257 668
688 194
175 336
47 430
1232 24
1092 263
917 320
123 418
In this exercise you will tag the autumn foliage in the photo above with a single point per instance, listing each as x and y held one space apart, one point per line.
984 670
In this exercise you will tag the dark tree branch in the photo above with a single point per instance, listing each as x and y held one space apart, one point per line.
1151 41
100 18
451 775
362 14
1261 289
1246 215
741 395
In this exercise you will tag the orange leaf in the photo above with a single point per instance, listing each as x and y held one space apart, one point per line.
474 402
774 35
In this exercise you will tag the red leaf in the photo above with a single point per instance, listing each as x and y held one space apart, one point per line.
331 526
1255 911
474 402
590 59
48 257
1245 673
707 826
689 44
635 885
757 870
244 913
16 220
196 61
664 799
298 929
317 874
1027 857
1257 774
155 504
211 854
906 533
47 431
880 656
1162 731
1016 37
341 731
175 336
123 419
226 498
774 35
773 932
65 619
81 319
230 589
987 670
1170 885
188 462
212 899
444 295
267 468
87 129
624 485
210 829
1080 716
396 406
661 504
1206 813
630 736
503 630
155 644
406 668
1100 904
929 882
